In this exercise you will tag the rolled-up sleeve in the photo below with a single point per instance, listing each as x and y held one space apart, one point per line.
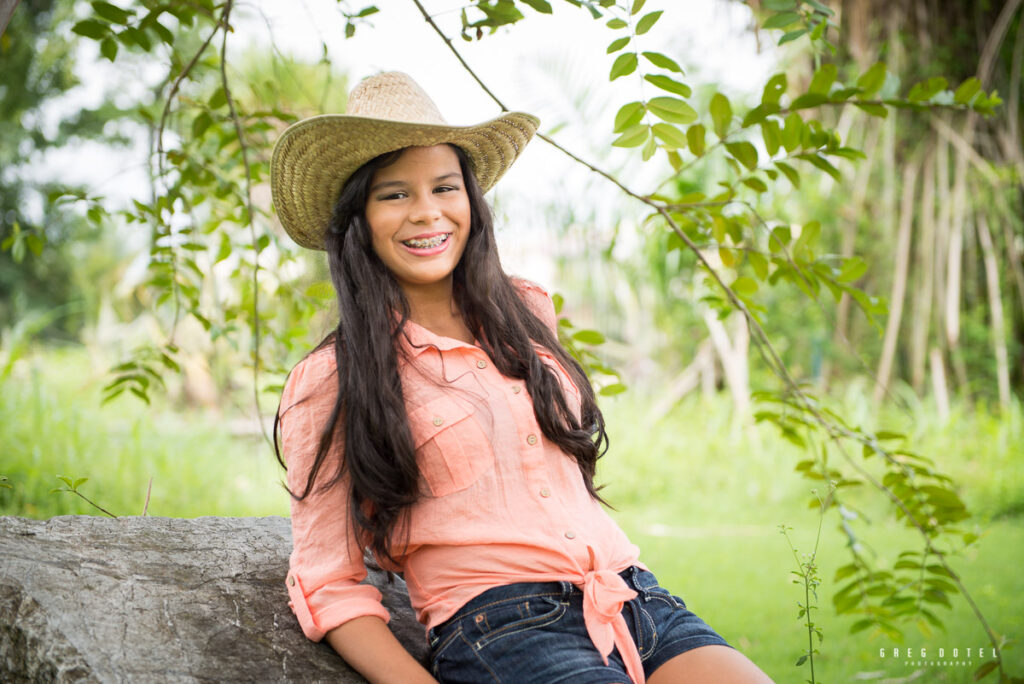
326 565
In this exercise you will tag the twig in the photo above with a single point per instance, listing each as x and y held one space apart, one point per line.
149 490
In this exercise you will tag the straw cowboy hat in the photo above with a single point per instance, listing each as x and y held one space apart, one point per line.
314 157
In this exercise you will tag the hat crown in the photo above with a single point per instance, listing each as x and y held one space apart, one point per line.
394 96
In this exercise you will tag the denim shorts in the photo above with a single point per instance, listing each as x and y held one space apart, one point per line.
534 632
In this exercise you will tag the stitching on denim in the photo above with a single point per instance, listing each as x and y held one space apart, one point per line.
654 632
465 612
445 644
522 625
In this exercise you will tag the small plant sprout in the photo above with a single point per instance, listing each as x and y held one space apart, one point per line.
807 575
72 488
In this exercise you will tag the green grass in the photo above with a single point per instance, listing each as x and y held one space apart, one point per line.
701 496
704 498
52 423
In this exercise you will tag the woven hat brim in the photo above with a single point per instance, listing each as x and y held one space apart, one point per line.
314 157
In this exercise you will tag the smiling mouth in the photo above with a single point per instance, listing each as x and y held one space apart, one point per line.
427 243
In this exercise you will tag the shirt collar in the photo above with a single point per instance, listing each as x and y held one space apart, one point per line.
416 339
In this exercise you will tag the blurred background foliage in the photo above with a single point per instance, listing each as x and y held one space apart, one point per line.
158 298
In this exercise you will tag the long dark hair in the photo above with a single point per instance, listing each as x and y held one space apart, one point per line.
369 413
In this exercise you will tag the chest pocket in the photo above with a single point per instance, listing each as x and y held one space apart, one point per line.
452 449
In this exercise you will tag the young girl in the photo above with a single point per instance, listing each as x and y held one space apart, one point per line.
442 426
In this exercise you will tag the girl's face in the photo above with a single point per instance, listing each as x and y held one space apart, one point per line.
418 212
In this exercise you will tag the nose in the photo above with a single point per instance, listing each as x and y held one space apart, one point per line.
425 210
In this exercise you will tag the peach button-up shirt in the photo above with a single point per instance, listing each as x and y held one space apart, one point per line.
502 503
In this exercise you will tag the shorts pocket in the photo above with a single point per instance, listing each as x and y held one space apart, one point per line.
504 619
452 449
647 585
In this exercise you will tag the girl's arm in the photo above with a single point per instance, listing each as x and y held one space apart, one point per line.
368 645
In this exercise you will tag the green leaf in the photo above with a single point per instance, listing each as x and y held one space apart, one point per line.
79 481
616 24
673 138
808 100
781 20
218 99
542 6
721 114
633 136
744 286
772 135
612 390
873 108
755 183
588 337
792 132
618 44
90 28
872 80
759 263
661 61
637 6
650 147
672 109
111 13
801 660
791 36
647 21
744 152
624 64
779 5
823 164
967 90
774 89
200 124
925 90
669 84
695 139
759 114
823 79
628 115
108 48
853 268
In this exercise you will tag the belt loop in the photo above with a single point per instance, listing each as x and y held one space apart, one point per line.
567 589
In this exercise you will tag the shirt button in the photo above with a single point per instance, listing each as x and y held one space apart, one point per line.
481 364
516 389
545 492
438 420
531 439
570 535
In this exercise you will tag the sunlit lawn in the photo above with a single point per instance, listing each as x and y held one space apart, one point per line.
700 496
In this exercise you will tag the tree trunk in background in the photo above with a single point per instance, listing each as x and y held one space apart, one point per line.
733 355
901 262
921 318
996 304
6 12
973 165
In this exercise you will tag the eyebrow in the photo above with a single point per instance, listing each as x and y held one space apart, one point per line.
399 183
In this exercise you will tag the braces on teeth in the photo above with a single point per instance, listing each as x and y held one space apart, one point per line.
427 243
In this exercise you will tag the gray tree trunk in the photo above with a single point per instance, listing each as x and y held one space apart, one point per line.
140 600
